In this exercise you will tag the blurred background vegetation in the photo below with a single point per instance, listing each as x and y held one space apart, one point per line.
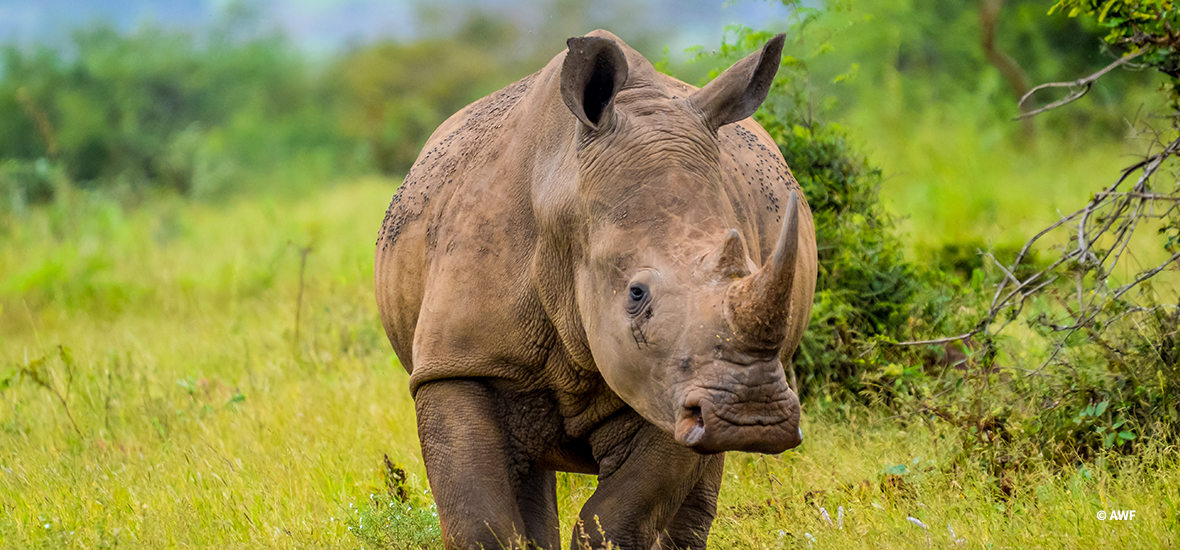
179 196
235 104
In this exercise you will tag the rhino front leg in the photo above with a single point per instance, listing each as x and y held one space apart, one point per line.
638 499
538 507
468 465
690 527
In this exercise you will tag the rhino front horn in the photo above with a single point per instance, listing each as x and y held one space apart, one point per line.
758 305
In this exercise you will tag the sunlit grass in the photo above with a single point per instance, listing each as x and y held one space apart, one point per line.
201 422
955 178
883 472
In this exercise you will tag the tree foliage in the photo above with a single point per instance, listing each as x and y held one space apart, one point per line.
162 108
1133 26
226 108
395 94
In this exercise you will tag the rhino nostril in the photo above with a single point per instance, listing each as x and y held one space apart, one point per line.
697 432
690 428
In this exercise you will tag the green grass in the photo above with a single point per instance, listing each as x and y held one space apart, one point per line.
201 422
956 178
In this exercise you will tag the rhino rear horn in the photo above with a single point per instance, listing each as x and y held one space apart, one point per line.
742 88
593 72
759 304
729 260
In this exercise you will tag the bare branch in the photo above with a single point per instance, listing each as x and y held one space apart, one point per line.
1078 88
938 340
1028 246
1144 196
1145 276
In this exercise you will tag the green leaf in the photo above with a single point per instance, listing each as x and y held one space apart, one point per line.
1106 9
1126 436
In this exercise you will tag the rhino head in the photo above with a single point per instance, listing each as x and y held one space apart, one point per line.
682 323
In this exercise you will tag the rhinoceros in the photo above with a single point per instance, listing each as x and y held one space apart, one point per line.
598 269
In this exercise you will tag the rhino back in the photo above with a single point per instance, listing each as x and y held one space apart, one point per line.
458 231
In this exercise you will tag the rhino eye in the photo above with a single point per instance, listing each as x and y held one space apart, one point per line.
637 297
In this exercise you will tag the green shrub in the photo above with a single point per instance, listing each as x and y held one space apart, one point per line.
395 94
386 522
29 183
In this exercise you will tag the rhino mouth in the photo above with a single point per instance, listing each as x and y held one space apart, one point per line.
716 420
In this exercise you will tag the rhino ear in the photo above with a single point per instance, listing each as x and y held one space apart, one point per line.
738 91
594 71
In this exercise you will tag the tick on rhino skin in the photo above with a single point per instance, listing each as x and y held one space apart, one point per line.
613 298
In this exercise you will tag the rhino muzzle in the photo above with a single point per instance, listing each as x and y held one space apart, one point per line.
760 418
742 404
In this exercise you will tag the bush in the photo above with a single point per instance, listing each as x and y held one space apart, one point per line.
1041 391
1112 394
395 94
866 286
1104 372
28 183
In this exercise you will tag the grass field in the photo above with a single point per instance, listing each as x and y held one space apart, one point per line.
957 176
192 411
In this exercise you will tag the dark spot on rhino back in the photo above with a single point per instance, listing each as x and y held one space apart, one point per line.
758 166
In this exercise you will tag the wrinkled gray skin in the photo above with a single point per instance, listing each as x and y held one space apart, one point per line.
597 270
